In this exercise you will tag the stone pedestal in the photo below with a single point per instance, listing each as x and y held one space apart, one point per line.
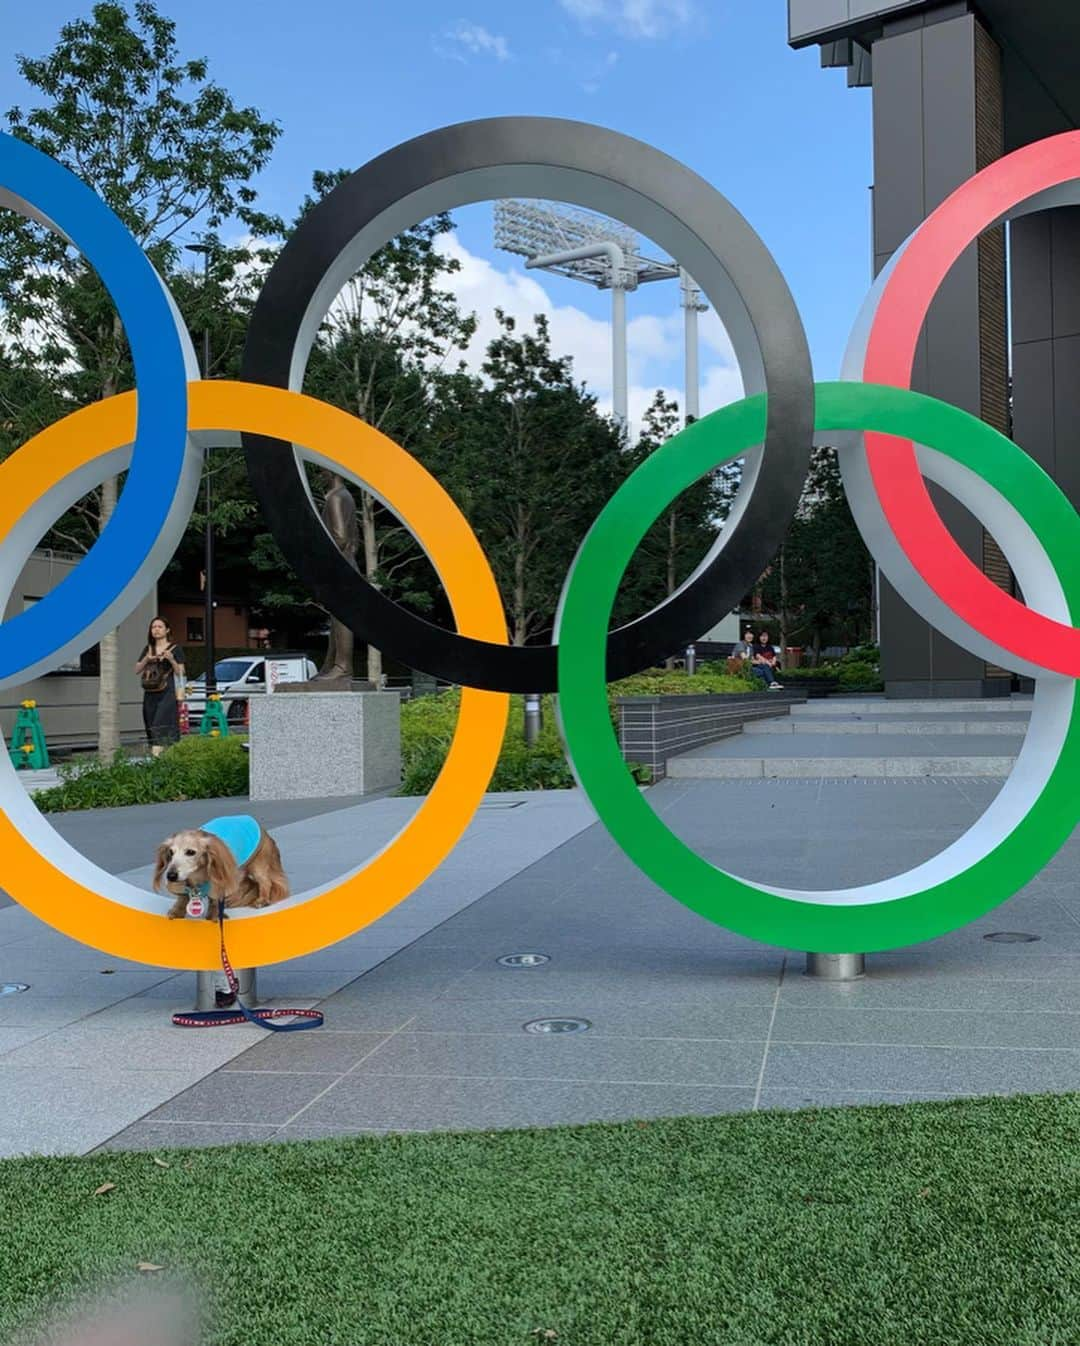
316 745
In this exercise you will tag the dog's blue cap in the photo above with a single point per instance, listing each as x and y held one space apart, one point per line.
241 833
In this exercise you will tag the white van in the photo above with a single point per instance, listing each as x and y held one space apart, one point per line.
242 674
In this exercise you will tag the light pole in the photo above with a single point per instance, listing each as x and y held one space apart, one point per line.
692 306
208 563
580 245
619 278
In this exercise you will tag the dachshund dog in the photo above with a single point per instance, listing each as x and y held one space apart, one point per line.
231 862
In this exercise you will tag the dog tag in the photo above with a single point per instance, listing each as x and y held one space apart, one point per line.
196 907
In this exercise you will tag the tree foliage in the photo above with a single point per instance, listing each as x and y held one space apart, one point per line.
530 460
682 535
167 149
821 583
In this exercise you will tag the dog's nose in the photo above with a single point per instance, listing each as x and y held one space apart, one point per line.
172 875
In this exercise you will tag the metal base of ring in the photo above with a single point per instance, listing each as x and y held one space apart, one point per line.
836 966
209 984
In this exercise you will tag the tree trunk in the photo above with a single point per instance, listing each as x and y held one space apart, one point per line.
371 570
109 647
519 616
783 611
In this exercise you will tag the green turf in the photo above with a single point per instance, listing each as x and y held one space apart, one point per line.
943 1224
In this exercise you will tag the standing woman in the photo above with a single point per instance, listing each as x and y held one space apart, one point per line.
161 667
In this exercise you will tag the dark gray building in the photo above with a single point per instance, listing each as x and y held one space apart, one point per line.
956 85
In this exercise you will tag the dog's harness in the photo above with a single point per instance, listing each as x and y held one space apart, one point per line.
242 835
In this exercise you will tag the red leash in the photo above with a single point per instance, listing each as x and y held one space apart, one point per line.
309 1018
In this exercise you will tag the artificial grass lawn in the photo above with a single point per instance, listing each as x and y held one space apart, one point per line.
946 1224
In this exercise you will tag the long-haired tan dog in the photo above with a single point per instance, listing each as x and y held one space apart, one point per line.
241 867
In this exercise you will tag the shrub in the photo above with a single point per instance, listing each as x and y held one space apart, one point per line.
859 677
675 682
810 674
427 728
863 654
195 768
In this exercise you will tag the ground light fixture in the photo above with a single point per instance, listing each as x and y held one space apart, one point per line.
557 1026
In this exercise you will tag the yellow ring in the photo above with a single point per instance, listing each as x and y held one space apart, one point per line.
363 896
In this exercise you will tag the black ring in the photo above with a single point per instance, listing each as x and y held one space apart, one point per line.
606 172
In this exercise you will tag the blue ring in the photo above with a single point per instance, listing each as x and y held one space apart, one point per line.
115 558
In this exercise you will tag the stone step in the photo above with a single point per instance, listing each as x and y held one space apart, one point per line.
886 724
844 706
841 755
688 767
33 781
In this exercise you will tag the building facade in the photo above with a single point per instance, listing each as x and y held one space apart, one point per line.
186 615
68 697
954 86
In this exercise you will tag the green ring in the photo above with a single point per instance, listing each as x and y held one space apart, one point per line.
589 594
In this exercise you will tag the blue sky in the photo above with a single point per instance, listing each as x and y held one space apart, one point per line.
711 82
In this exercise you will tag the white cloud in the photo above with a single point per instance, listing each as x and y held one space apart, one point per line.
654 342
635 18
475 39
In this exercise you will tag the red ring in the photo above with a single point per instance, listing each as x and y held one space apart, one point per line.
890 354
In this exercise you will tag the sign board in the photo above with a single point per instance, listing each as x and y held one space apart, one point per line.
284 670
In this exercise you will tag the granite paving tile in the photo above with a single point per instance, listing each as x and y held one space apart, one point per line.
927 1027
304 1131
795 1099
182 1135
901 1069
52 1011
263 1097
47 981
50 1111
394 1103
380 1014
898 991
12 1039
325 1051
564 1056
722 1021
734 980
89 1045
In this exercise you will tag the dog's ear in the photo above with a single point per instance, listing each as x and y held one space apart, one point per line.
221 868
163 855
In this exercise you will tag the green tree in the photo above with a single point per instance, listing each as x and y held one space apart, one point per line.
393 326
684 532
166 148
216 297
821 583
530 460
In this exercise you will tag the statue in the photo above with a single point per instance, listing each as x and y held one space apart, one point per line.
339 516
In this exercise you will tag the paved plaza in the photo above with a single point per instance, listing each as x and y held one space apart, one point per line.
425 1029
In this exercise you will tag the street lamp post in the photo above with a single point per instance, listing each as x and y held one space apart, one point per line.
208 563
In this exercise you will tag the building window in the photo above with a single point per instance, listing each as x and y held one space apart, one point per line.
195 630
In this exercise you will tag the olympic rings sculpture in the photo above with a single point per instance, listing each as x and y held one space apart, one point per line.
889 439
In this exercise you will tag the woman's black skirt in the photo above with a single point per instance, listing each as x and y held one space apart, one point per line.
160 717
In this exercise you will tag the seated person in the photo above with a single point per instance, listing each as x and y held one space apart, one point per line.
744 649
763 662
